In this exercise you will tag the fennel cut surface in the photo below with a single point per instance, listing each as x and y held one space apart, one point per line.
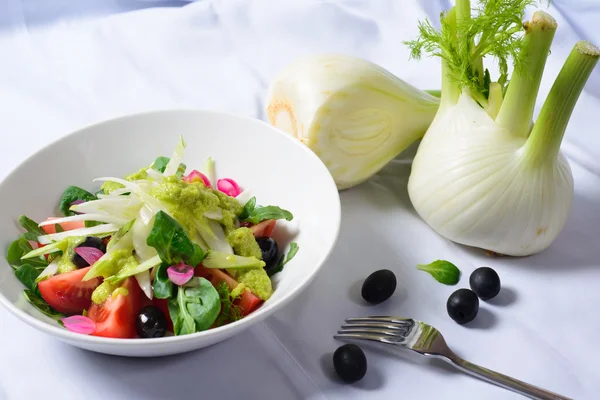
353 114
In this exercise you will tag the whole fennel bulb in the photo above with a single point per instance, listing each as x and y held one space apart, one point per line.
484 175
355 115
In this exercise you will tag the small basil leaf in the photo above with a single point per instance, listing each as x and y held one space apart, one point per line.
197 257
32 228
160 163
170 240
248 208
71 194
89 224
27 274
41 305
18 249
260 214
285 259
443 271
162 285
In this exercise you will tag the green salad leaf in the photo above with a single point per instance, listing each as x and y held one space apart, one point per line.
195 308
160 164
285 259
18 249
32 228
252 213
170 240
197 257
162 285
248 208
41 305
71 194
27 274
443 271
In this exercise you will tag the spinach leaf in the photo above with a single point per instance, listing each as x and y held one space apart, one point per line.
285 259
162 285
41 305
27 274
443 271
178 321
89 224
32 228
18 249
58 228
71 194
198 256
196 308
253 214
248 208
160 164
170 240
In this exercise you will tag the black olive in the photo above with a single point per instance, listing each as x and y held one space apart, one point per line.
90 241
485 282
151 322
463 306
350 363
270 251
379 286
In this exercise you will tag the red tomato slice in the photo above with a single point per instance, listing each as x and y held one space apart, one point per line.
264 228
247 301
67 292
163 305
67 226
115 317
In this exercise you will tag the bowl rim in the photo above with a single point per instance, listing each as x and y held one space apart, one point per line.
230 328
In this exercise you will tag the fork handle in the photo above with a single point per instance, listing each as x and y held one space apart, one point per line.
504 381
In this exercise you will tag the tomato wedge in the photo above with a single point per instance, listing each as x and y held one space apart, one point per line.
115 317
67 292
264 228
248 302
67 226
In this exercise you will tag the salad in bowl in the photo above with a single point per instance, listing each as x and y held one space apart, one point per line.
163 251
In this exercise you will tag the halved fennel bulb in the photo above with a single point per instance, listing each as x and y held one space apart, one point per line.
355 115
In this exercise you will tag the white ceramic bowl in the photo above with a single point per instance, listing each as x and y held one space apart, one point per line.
278 169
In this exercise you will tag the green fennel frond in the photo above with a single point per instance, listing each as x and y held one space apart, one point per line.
495 28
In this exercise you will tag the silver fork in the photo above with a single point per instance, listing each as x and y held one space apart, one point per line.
426 340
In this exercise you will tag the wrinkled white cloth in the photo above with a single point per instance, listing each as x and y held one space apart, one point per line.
68 64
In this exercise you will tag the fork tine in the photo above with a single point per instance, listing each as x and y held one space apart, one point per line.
362 336
376 325
381 332
390 320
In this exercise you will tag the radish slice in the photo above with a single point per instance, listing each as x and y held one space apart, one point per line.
79 324
196 176
229 187
89 254
181 273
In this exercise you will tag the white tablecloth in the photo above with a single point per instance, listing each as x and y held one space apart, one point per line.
67 64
